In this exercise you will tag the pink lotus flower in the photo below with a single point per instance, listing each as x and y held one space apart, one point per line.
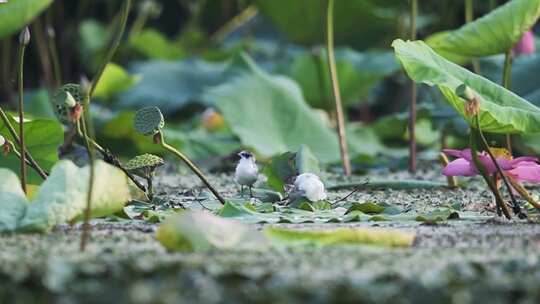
521 169
526 45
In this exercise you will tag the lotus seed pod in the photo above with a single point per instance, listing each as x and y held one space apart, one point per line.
61 103
69 101
465 92
24 36
144 161
148 121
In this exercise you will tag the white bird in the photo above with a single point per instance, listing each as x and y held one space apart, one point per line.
2 140
311 187
246 172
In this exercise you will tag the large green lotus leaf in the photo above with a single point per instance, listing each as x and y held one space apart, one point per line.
501 110
269 113
171 85
12 199
524 81
42 138
357 73
491 34
303 21
62 197
15 14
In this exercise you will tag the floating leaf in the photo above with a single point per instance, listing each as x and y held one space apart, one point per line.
341 236
42 138
269 114
367 207
501 110
438 215
15 14
193 231
493 33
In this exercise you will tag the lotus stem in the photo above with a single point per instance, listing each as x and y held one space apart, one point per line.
87 130
335 88
17 153
507 74
484 142
469 17
24 39
523 192
114 44
451 180
237 21
499 201
412 103
53 51
192 166
44 60
109 157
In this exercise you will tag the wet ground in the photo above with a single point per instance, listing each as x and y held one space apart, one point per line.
480 258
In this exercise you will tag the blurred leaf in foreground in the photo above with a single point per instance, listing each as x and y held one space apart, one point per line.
193 231
113 81
15 14
62 197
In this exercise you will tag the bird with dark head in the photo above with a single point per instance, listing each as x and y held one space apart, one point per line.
247 172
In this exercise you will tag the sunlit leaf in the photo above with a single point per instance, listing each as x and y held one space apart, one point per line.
341 236
501 110
42 139
155 45
494 33
114 80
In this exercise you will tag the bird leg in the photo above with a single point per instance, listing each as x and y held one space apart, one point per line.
250 192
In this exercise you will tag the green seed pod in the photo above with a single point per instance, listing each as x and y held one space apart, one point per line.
465 92
148 121
63 103
143 165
